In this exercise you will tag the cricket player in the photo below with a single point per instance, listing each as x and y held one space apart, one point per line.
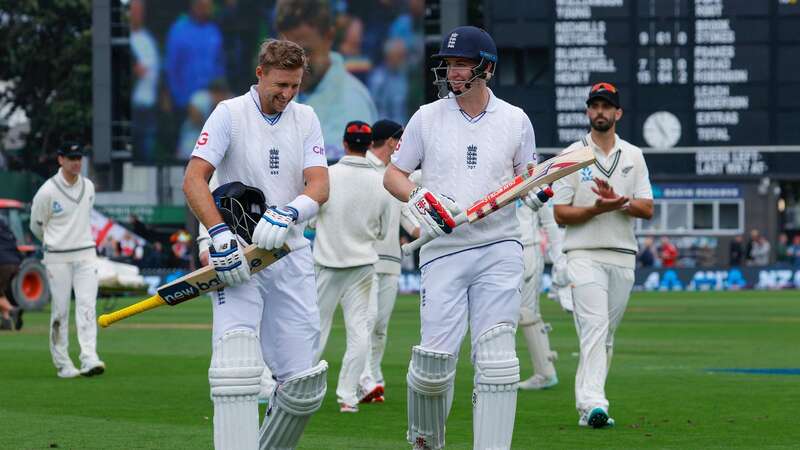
264 140
60 218
467 143
385 136
598 205
533 327
348 226
203 243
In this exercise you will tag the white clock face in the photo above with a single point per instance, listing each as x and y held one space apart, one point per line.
662 130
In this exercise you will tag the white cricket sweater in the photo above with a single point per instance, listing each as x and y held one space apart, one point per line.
607 237
355 217
61 219
388 248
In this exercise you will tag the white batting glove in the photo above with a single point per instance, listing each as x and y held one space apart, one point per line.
273 227
227 257
433 212
536 198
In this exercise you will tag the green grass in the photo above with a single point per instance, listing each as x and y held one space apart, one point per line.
155 392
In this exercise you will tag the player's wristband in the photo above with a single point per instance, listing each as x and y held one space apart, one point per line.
305 206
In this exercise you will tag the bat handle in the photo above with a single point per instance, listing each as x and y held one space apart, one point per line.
136 308
416 244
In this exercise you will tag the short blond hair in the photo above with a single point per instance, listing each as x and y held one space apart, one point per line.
281 54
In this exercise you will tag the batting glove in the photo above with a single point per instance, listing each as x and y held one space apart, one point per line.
560 274
536 198
226 256
433 212
273 227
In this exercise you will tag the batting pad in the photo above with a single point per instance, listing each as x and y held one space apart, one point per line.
430 394
494 400
536 336
292 404
235 379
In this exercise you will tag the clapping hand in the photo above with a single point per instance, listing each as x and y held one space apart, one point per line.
607 199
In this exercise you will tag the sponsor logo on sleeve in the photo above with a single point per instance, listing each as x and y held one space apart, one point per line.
203 140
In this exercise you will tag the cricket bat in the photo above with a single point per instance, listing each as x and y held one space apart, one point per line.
543 173
193 285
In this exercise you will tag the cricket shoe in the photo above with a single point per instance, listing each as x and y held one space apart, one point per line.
538 382
16 317
345 408
372 395
95 368
68 372
596 418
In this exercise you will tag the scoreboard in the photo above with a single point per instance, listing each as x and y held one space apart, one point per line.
691 73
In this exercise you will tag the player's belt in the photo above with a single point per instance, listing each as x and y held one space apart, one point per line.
68 250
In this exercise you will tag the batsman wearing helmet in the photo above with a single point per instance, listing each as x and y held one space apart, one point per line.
467 144
263 140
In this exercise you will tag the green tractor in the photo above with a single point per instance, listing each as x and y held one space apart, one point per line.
30 287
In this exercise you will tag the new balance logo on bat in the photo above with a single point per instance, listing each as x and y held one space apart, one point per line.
179 292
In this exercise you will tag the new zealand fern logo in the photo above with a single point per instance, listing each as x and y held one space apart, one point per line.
472 156
586 174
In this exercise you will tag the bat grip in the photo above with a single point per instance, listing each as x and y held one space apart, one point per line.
136 308
416 244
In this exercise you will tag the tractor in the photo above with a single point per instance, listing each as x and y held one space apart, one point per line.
29 287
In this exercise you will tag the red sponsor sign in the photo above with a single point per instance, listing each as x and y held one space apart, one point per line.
203 140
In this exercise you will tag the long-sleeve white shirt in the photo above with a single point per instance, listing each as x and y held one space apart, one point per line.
355 216
61 218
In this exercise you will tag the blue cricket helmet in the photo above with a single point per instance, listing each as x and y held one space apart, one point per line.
465 42
468 42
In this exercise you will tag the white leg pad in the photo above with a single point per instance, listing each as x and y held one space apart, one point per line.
536 334
292 404
234 377
494 399
430 394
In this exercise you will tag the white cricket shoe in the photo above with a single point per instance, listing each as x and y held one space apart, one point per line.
345 408
538 382
92 369
68 372
596 418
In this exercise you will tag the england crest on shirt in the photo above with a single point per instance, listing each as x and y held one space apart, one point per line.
274 161
472 156
57 208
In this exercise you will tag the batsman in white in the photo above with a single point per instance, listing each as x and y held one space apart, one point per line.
467 143
60 218
355 217
385 136
203 243
264 140
598 205
534 329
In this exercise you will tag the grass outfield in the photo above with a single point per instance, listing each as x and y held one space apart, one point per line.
155 392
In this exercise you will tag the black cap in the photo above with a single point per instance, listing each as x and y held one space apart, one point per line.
70 150
358 132
606 91
385 129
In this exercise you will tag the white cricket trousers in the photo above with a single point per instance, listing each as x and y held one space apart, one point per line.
479 287
64 277
382 297
280 305
536 336
600 292
350 287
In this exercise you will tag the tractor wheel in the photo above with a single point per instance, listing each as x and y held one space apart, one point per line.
30 287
